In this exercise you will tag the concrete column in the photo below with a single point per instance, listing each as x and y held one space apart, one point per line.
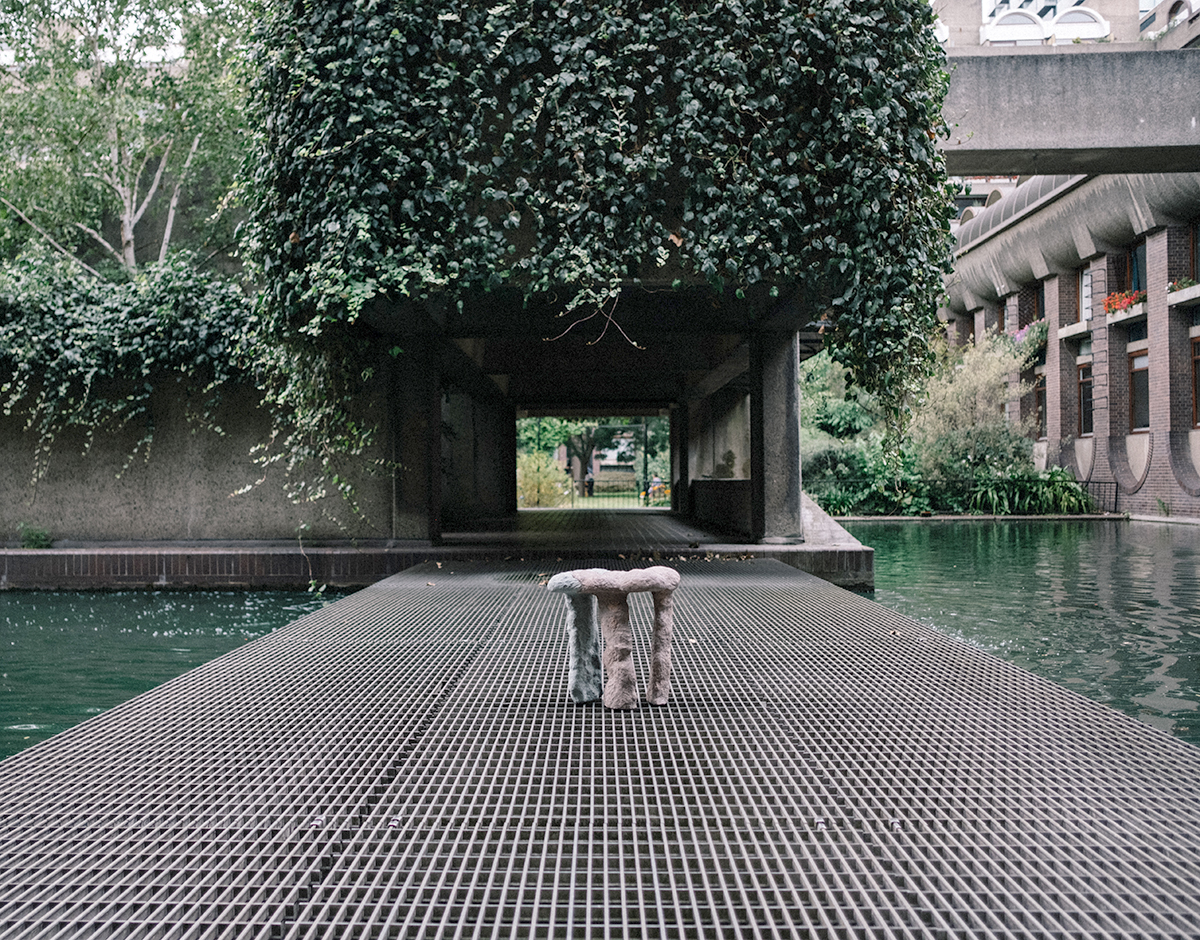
680 470
1056 287
1101 377
775 475
415 422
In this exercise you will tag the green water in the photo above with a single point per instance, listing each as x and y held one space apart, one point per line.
67 656
1110 610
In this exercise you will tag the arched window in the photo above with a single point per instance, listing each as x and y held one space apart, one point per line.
1014 29
1079 23
1179 12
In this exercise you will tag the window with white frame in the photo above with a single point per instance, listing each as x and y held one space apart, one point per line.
1079 24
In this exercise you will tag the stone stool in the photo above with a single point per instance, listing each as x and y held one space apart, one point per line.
597 591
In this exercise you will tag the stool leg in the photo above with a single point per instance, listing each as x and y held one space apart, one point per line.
585 681
658 688
620 684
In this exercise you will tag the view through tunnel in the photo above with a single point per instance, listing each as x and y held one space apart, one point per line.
594 463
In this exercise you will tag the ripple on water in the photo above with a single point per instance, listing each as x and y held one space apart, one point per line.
70 655
1107 609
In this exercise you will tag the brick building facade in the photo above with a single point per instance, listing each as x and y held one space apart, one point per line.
1116 397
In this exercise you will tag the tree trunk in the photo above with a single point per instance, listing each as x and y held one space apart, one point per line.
166 239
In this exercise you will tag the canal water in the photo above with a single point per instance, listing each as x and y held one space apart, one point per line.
67 656
1108 609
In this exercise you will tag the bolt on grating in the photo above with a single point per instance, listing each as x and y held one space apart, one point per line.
406 763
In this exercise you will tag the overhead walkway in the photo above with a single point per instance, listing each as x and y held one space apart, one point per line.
406 763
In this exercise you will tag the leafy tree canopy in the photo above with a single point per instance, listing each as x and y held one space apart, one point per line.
412 150
582 438
115 115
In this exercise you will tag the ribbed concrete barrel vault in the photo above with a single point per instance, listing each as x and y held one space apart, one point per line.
1053 224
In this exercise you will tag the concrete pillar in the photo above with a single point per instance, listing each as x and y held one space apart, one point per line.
680 465
1101 376
1062 389
415 422
775 474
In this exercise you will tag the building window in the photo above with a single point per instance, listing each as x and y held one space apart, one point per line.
1137 330
1194 246
1085 399
1083 308
1139 392
1039 401
1014 29
1137 266
1079 26
1196 383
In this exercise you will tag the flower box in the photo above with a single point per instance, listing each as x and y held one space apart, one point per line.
1184 297
1136 312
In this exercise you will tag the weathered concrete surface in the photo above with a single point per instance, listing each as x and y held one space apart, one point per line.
1072 109
588 536
182 489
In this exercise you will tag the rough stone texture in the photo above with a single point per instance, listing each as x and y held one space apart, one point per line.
585 677
611 590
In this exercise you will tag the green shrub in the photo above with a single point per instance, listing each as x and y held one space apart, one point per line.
540 482
33 537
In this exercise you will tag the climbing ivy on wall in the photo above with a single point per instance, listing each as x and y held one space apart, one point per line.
84 354
412 150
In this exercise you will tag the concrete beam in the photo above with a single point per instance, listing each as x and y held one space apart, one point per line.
1072 109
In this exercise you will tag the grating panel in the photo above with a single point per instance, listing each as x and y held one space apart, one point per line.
405 763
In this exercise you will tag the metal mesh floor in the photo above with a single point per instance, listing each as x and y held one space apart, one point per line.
405 763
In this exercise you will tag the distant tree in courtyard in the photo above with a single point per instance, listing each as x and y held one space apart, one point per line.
582 438
540 482
962 428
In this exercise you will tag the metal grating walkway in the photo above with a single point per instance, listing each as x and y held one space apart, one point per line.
405 763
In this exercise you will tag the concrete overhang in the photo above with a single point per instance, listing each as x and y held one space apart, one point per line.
1069 220
1072 109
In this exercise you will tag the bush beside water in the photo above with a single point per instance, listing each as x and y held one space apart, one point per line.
963 455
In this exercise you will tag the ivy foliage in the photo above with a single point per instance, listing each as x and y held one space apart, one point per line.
81 353
413 151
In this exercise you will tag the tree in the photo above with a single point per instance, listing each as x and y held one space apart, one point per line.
116 114
961 427
540 482
582 438
828 403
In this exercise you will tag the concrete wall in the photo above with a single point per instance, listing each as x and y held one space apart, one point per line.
1072 109
719 436
723 506
478 460
182 491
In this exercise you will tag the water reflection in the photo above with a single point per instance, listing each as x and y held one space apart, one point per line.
64 656
1108 609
